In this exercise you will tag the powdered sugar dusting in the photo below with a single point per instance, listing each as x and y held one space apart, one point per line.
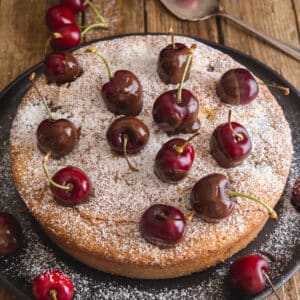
82 103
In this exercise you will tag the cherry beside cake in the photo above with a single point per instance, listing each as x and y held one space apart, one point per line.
135 222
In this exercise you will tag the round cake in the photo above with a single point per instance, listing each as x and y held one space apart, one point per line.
104 232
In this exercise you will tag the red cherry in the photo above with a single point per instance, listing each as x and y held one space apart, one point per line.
230 144
10 234
66 37
237 86
177 117
247 274
80 188
171 63
123 94
61 67
176 111
174 160
136 132
57 136
52 285
58 16
163 225
75 5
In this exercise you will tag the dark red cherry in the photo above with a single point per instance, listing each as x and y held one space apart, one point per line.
136 132
174 160
123 94
80 188
171 62
52 285
163 225
58 16
75 5
209 198
66 37
57 136
10 234
237 86
230 144
212 198
61 67
247 274
175 116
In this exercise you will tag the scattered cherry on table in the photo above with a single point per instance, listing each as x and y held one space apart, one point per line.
52 285
11 236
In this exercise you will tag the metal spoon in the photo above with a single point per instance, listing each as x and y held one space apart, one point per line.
199 10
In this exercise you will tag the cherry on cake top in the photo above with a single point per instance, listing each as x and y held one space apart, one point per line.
171 62
123 93
176 111
230 144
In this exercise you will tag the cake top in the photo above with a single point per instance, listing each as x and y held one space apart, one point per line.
110 219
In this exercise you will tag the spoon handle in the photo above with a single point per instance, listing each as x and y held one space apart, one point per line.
288 49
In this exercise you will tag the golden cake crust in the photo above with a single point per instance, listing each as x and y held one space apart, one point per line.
104 232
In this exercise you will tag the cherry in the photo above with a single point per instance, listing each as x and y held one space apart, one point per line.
52 285
230 144
56 136
135 130
237 87
10 234
174 160
70 186
65 37
122 94
58 16
171 62
249 273
61 67
75 5
176 111
296 194
162 225
212 198
127 135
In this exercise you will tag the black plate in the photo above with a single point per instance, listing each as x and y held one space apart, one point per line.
39 253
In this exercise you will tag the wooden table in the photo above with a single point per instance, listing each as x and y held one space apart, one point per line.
23 33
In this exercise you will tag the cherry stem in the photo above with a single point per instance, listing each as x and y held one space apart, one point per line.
271 211
171 32
186 67
125 141
165 217
93 26
286 90
190 215
180 148
31 78
68 187
239 137
53 294
271 284
96 11
94 50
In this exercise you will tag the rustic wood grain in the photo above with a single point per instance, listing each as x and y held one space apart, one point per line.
23 34
277 18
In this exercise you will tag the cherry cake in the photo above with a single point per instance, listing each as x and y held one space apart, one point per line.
104 232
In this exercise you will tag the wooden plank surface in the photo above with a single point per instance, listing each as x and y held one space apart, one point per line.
23 34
